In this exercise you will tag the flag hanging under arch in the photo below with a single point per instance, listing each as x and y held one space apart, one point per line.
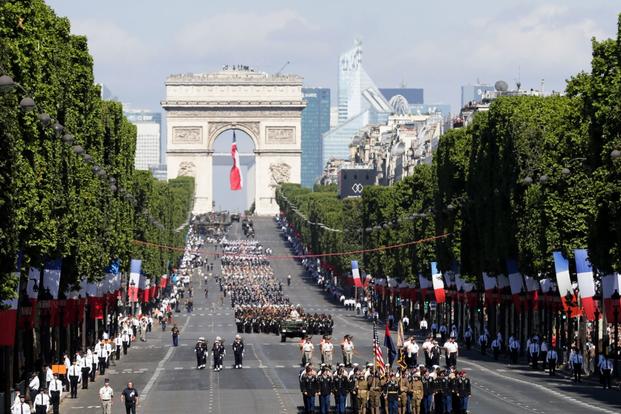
235 176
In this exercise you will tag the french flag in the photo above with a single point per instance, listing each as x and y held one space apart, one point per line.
565 289
134 280
586 285
516 283
235 177
355 272
438 283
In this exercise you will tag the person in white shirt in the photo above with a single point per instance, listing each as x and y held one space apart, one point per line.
74 377
86 367
22 407
427 345
406 323
451 348
411 352
514 349
543 353
605 368
56 389
423 325
575 361
106 394
41 402
347 347
118 343
126 339
552 359
307 351
33 386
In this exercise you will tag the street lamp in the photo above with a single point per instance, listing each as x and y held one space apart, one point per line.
27 104
6 84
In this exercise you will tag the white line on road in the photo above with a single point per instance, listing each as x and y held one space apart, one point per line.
541 387
160 365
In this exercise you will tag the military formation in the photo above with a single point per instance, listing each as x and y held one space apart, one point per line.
373 390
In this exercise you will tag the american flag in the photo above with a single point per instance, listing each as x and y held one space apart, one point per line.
377 351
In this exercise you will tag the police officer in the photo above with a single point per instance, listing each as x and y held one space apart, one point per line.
552 358
575 360
56 389
74 376
41 402
238 351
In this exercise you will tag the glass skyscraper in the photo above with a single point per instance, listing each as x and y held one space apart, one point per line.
315 121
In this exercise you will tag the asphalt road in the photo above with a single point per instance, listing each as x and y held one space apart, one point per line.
169 383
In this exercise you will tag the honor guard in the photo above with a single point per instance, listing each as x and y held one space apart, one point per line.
307 351
308 387
324 387
201 353
218 352
418 393
362 392
327 350
41 402
238 351
347 347
85 368
391 392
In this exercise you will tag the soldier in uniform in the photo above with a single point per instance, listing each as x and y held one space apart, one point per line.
362 392
391 391
218 352
347 347
327 350
341 387
428 390
307 351
418 392
463 390
238 351
201 353
375 391
324 386
404 390
308 387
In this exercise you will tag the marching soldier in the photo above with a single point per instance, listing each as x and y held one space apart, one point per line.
74 376
238 351
428 391
463 391
391 391
324 387
118 343
404 390
327 350
418 392
308 387
126 339
85 367
347 347
362 392
201 353
218 353
341 386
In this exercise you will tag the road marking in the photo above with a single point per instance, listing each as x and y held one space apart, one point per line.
539 386
160 365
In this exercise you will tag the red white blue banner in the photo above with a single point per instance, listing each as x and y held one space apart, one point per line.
235 177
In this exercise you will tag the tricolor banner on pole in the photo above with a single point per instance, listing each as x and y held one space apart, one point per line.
51 277
235 176
565 289
610 284
134 279
490 284
516 282
438 283
355 272
586 284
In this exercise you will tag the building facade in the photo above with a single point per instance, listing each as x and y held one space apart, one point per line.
315 122
148 138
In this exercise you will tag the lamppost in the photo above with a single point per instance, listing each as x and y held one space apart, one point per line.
615 307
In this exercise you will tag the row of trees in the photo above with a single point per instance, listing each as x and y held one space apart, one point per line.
52 202
531 176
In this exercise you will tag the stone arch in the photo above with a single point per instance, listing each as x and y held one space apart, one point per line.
217 128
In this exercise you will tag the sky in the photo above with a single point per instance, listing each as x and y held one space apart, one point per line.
436 45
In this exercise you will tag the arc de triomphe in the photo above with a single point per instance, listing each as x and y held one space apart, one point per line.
199 107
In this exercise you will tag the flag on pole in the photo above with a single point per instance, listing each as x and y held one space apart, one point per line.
565 289
377 352
586 284
134 280
611 284
235 177
355 272
390 346
438 283
400 342
516 283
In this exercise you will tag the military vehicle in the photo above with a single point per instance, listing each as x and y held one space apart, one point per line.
292 328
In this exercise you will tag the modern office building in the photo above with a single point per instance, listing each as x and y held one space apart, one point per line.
474 93
315 122
149 133
359 103
415 96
